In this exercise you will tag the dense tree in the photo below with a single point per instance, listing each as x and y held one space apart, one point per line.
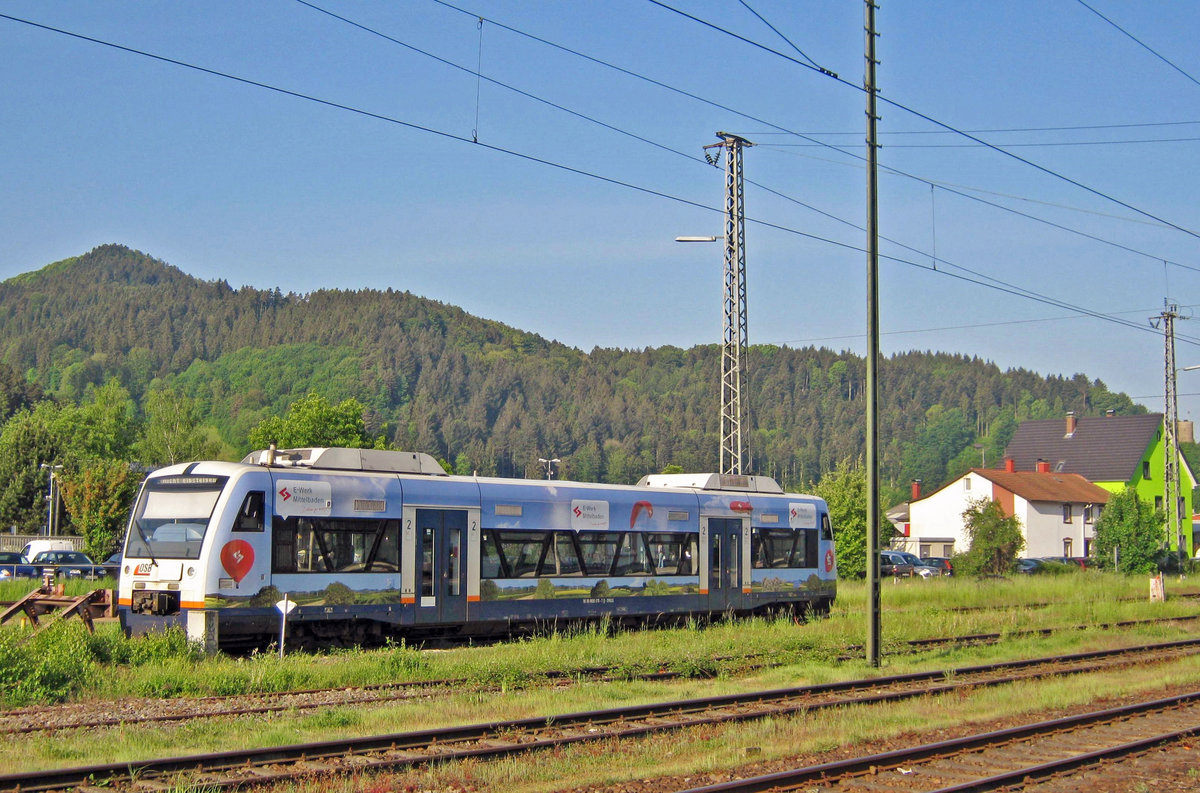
490 398
29 441
98 496
314 421
172 432
1129 534
995 539
845 492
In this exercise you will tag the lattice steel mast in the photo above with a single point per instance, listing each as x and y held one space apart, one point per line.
734 416
1171 487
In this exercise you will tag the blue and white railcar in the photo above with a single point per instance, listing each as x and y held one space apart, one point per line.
377 544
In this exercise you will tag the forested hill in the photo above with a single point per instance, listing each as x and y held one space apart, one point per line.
492 398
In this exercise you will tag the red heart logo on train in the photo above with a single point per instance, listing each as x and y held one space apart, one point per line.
237 557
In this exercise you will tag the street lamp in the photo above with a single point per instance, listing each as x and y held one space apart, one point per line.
549 465
52 499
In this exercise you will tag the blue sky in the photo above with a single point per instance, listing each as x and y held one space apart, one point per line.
563 223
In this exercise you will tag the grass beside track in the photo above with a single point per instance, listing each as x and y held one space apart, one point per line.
108 666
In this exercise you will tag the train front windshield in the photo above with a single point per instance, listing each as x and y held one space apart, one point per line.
172 516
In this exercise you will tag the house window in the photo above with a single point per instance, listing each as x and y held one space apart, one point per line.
1145 469
966 483
1067 547
1089 513
1067 513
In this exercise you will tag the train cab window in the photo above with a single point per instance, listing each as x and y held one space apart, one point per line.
250 513
826 528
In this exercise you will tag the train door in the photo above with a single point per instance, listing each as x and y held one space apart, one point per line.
440 572
724 562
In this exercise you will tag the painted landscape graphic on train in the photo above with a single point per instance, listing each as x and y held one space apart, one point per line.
379 545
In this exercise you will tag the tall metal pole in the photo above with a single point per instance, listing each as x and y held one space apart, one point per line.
736 338
872 462
1171 487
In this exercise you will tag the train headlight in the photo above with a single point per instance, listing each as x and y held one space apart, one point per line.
191 572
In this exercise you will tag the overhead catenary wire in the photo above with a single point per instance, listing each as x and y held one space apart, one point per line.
779 129
990 283
691 157
950 128
1140 43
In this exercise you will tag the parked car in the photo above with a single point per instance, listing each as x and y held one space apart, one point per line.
69 564
112 566
1071 561
893 563
1029 566
14 565
941 562
34 547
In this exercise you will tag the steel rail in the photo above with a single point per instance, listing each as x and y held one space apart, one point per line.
510 737
842 769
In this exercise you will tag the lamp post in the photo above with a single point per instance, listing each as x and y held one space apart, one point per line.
549 465
733 346
52 500
982 453
1178 491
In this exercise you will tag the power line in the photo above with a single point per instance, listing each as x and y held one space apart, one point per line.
1060 143
1073 128
990 283
781 130
934 121
1139 42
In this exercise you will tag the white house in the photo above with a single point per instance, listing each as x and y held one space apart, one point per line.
1057 511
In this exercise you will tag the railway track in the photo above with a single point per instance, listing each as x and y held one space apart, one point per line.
60 718
1011 759
233 769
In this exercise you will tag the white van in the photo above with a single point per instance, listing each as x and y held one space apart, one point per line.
34 547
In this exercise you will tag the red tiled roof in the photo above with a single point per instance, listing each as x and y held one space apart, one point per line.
1034 486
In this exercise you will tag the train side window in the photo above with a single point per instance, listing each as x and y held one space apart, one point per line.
250 513
523 551
810 550
772 547
563 559
599 549
633 558
489 557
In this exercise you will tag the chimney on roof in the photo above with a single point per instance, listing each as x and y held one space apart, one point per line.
1109 413
1043 466
916 489
1070 423
1010 465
